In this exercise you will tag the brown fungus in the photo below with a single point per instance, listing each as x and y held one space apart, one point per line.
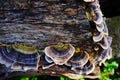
59 54
105 30
78 59
98 17
100 27
103 55
48 59
89 0
98 36
105 42
86 69
110 53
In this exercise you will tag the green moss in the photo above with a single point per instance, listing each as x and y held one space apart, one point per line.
61 46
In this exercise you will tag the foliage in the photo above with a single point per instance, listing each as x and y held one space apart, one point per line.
64 78
108 71
23 78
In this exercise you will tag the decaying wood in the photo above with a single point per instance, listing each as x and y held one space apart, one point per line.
53 71
66 71
46 22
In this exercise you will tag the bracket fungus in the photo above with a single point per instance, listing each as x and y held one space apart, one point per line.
16 56
78 60
69 44
86 69
60 53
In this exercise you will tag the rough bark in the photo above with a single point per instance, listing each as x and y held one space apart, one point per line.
46 22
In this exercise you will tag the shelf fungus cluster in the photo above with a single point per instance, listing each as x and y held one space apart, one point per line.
19 56
75 50
71 60
65 54
83 63
101 36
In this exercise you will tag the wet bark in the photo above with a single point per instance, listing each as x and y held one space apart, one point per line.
43 22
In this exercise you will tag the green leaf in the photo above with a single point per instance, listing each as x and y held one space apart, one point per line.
82 79
115 64
25 78
117 79
104 77
112 71
62 78
34 78
105 69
